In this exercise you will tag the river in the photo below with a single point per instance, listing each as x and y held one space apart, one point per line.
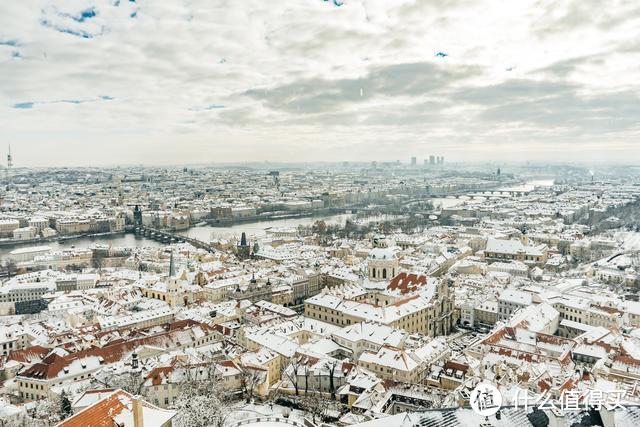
256 229
204 233
449 202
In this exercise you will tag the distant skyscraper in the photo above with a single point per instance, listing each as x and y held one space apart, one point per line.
9 164
432 160
413 161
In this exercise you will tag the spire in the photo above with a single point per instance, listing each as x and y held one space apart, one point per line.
172 267
243 239
9 165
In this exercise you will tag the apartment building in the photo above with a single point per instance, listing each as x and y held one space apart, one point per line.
428 311
511 300
368 336
501 250
407 366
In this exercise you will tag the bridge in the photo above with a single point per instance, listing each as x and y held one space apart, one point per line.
168 237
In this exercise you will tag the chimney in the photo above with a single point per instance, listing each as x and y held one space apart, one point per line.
136 408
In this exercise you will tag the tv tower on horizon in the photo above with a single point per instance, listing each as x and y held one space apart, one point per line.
9 164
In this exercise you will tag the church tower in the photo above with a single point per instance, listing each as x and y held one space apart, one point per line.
243 250
137 216
382 262
172 267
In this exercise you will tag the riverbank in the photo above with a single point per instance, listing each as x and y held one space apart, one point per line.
10 243
205 233
277 216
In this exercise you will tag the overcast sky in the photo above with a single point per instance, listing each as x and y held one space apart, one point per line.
180 81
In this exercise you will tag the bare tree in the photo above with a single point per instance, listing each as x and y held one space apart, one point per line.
251 378
319 227
10 266
77 267
307 372
315 403
130 381
331 367
292 373
98 260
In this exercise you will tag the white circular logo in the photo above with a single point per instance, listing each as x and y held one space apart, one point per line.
485 399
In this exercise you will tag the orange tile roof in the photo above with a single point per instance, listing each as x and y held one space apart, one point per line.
100 414
104 412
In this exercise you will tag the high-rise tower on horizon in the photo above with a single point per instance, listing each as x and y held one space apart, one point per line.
9 164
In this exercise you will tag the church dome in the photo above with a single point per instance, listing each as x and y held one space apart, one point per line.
382 254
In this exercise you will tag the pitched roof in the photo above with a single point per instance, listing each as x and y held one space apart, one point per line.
116 409
406 282
51 365
29 355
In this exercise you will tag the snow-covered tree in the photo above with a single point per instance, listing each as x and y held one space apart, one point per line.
47 412
202 401
199 410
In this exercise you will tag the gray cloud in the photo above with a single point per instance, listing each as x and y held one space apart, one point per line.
398 80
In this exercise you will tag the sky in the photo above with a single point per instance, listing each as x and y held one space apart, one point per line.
104 82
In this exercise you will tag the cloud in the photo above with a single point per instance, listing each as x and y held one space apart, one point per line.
322 95
368 79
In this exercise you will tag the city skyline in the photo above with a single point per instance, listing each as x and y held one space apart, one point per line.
125 82
319 213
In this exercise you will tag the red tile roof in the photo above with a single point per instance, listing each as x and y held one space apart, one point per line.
29 355
406 283
53 364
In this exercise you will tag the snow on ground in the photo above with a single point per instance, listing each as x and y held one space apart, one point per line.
268 424
631 240
245 411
